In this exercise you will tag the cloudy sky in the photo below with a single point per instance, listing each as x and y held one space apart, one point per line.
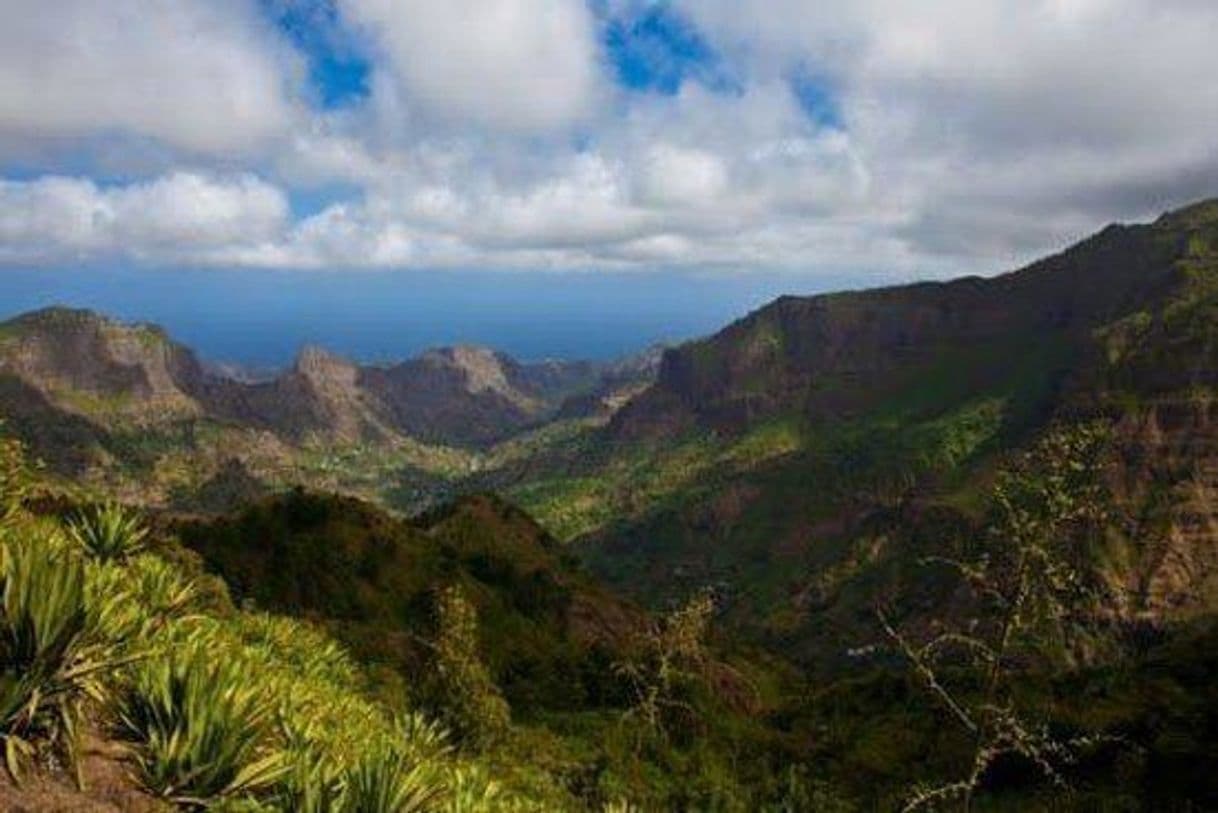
881 138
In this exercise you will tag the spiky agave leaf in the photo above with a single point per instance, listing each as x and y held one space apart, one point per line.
51 655
132 600
200 731
108 532
385 780
312 784
424 739
473 791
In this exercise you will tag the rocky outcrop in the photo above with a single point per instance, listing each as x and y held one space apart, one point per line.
89 364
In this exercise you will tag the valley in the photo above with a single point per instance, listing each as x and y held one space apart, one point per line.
808 471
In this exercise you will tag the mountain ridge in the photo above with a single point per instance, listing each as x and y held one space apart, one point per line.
142 371
913 395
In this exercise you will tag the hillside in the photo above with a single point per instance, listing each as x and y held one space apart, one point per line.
774 459
766 581
374 578
761 461
462 662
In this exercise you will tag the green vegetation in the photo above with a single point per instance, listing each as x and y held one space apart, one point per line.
52 657
217 706
199 729
1045 636
463 693
108 532
641 479
1029 595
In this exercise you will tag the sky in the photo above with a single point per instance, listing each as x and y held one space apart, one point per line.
587 146
262 320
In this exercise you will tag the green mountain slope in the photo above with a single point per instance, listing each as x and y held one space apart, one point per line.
770 459
549 631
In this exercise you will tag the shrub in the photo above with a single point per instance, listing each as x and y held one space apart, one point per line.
50 656
14 477
1032 602
464 695
132 601
201 732
108 532
385 780
670 662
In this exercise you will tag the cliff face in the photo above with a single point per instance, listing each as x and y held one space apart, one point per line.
1167 465
471 395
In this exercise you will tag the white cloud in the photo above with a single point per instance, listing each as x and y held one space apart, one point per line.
515 64
183 216
970 135
1015 124
206 76
680 176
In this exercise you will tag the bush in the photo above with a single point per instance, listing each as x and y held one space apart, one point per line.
14 477
50 654
201 733
108 532
463 693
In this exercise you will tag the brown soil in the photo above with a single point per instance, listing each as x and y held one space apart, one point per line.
108 786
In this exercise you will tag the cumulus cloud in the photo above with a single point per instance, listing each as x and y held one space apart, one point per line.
180 216
961 136
516 64
205 76
1010 124
681 176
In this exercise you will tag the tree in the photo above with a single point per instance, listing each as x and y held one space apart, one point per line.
1029 599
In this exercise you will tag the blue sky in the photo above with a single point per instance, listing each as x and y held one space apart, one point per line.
777 146
372 316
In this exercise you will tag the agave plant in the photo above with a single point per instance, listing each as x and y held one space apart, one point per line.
311 654
424 739
133 600
51 658
385 780
200 732
312 784
108 532
474 791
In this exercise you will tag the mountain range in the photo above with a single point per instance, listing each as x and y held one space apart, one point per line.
804 469
772 460
867 419
120 405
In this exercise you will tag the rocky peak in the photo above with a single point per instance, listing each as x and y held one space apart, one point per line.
63 350
324 368
481 369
